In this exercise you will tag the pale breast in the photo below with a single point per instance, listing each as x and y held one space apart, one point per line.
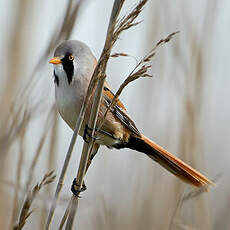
69 100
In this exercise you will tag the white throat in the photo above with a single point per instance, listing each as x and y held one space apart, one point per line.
69 96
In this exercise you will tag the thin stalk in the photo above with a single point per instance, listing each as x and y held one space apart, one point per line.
65 166
113 33
85 153
64 218
95 108
69 153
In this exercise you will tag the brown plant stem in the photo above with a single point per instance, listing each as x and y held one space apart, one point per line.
95 108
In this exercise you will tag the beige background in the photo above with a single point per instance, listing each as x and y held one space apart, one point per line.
184 107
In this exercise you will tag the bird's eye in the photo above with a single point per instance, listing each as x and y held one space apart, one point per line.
71 57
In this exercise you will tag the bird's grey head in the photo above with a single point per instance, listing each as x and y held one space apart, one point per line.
72 60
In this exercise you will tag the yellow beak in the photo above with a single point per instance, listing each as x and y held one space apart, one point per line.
55 61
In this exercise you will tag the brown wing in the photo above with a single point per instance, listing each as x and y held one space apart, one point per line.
119 111
109 94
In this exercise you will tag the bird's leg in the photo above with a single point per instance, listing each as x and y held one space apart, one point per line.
88 134
75 187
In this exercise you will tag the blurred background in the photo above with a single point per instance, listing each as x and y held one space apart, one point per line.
184 107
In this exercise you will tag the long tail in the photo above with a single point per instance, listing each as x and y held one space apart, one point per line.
168 161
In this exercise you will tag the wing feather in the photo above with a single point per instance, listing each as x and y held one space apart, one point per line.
119 111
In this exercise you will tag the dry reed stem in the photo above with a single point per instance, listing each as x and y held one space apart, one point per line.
99 75
64 168
87 148
64 218
112 36
100 68
26 209
64 33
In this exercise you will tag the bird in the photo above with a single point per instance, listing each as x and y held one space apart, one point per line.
74 64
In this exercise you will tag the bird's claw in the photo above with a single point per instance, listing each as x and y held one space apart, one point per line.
75 186
88 134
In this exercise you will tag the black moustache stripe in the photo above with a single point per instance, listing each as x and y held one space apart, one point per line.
68 67
56 79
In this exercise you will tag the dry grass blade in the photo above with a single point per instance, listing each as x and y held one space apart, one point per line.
169 37
140 70
127 21
26 209
119 55
98 75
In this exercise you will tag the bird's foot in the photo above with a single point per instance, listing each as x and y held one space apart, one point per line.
88 134
75 186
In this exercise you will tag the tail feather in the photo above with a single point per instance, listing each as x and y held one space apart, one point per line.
168 161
